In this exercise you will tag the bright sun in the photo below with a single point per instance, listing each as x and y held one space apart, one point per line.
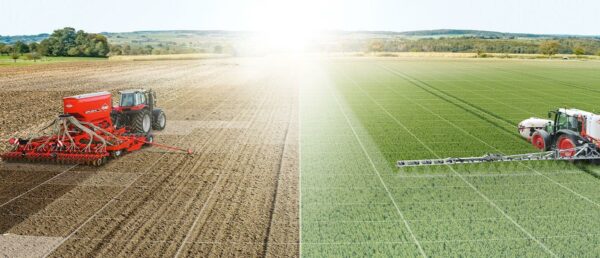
291 25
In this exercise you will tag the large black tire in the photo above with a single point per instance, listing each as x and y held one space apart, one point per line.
160 121
541 140
141 122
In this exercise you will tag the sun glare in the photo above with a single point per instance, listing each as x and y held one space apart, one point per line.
290 26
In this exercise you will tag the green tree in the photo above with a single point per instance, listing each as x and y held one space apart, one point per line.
33 47
60 42
20 48
102 48
8 49
147 50
578 50
2 46
116 50
42 49
14 56
68 42
550 47
74 51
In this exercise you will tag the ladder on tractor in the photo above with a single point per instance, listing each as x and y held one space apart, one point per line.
585 152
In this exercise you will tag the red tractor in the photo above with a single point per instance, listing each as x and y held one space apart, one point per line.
137 110
91 130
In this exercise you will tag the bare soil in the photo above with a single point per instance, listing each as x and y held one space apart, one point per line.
237 195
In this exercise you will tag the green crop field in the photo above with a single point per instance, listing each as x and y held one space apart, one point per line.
359 116
7 60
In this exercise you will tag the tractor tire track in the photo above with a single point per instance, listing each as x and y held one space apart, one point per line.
548 79
441 96
275 194
215 187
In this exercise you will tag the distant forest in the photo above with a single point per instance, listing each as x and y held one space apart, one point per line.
473 44
62 42
69 42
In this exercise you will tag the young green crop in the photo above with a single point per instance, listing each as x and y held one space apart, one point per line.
371 113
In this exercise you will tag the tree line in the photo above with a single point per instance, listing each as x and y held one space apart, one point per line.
158 49
577 46
62 42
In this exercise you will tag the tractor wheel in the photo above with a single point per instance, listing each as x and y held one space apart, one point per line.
541 140
566 144
142 122
160 122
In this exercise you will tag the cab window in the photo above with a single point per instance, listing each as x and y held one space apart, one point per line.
565 121
127 100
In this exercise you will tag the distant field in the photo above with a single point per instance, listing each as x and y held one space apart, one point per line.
7 60
464 55
359 116
168 57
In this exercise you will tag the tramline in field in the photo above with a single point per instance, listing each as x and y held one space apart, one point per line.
572 134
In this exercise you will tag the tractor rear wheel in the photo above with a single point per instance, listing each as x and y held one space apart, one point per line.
142 122
160 121
566 144
541 140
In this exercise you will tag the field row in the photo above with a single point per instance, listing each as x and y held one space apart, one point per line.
357 126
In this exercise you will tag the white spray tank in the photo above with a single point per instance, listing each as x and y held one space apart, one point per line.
529 125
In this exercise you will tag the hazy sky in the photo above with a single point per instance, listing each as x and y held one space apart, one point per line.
533 16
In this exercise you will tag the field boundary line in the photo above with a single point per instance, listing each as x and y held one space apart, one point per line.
35 187
222 102
458 174
333 93
279 172
342 243
300 106
484 142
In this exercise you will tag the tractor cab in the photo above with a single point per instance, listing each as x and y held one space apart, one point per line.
137 99
136 110
569 119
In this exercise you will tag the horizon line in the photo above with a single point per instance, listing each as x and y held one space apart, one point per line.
324 30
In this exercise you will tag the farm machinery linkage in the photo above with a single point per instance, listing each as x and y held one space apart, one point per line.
571 135
91 130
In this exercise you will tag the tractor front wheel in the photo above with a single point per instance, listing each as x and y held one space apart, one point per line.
142 122
566 145
160 121
541 140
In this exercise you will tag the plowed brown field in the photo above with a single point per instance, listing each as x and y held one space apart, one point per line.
237 195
